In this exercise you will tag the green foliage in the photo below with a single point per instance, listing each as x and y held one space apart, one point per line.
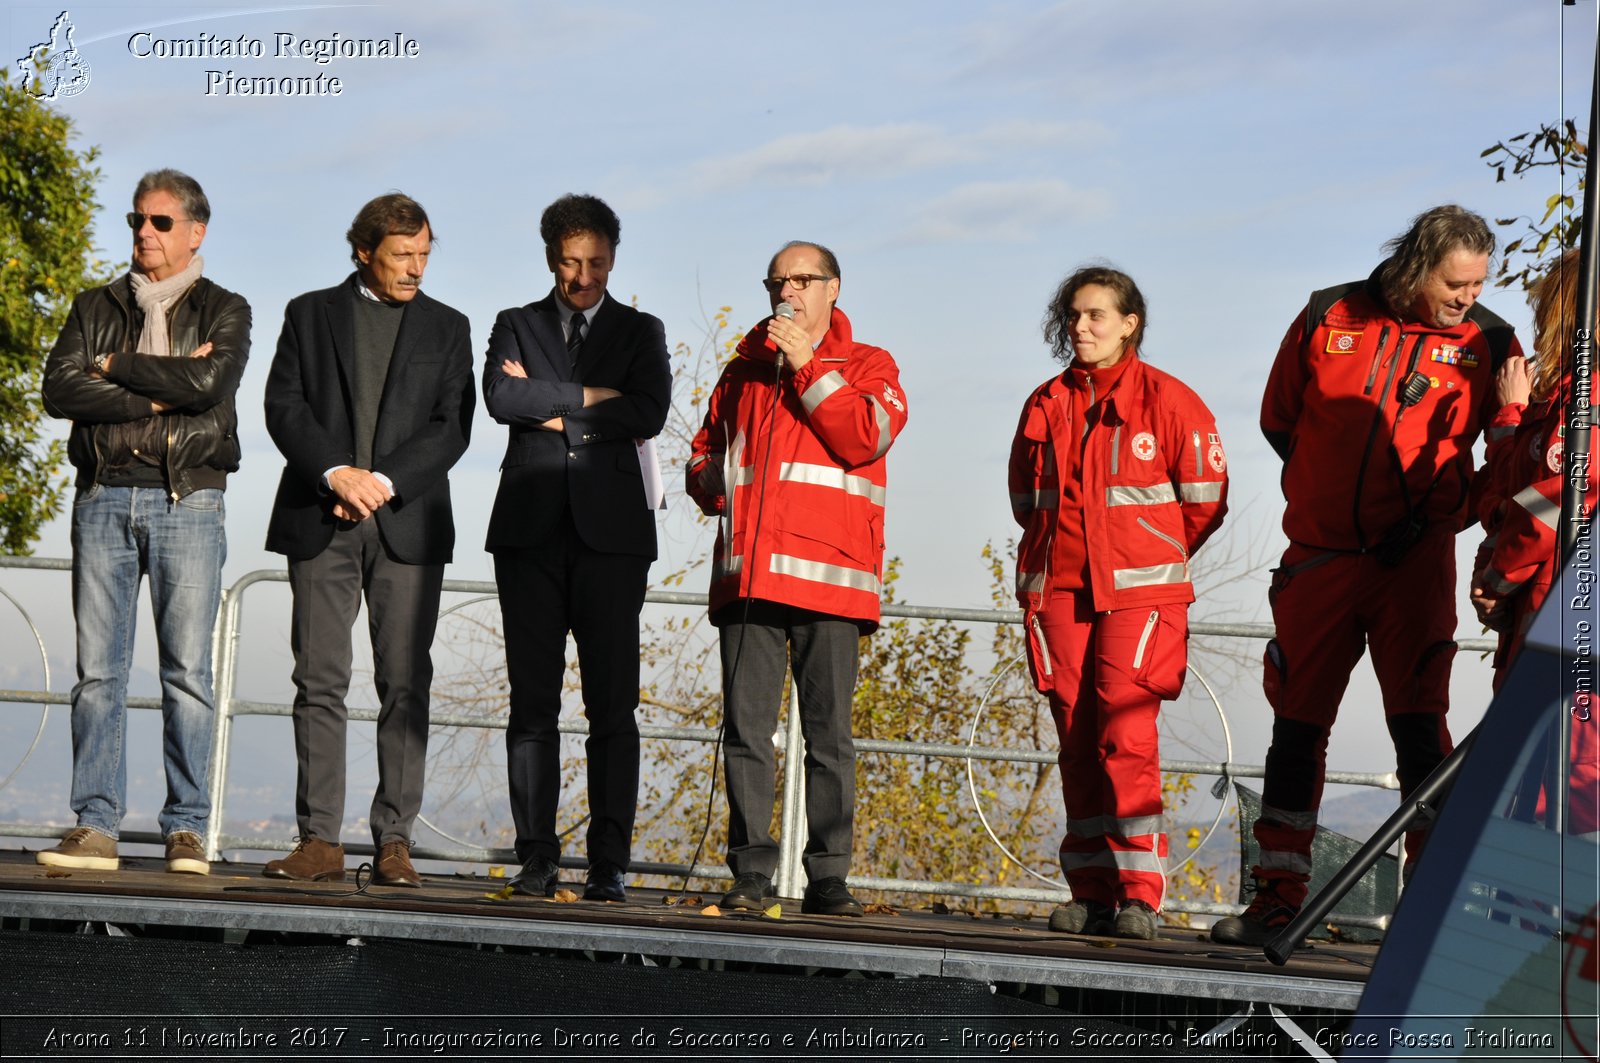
1536 244
46 257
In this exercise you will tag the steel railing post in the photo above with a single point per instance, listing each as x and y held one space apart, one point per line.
790 879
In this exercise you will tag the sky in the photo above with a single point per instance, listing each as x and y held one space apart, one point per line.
960 159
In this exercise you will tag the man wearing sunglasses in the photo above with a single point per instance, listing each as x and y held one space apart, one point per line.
370 400
791 460
146 368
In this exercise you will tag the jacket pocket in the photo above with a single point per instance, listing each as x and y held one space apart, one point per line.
1162 653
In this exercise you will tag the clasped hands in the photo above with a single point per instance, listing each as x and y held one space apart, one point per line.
359 493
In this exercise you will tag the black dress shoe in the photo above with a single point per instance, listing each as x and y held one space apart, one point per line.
604 884
750 892
537 877
828 896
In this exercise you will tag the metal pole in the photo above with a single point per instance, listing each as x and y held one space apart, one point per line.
790 880
1578 414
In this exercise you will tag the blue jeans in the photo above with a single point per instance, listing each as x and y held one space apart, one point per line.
119 536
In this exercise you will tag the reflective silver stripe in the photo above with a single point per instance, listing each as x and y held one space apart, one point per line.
1099 826
1277 860
829 476
1078 861
819 572
1151 576
824 386
1090 827
1030 582
1154 495
1121 861
728 566
1494 435
1539 507
1144 638
1139 861
881 416
1202 492
1116 447
1139 826
1292 820
1029 500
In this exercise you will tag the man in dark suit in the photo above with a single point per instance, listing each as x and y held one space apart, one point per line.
370 400
580 379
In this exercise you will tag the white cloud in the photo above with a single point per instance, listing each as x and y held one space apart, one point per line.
843 152
850 153
1010 211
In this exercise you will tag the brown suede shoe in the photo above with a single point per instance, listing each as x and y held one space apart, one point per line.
394 866
313 860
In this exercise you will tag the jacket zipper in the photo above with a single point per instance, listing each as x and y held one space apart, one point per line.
172 486
1377 358
1198 471
1176 545
1372 435
1044 648
1144 639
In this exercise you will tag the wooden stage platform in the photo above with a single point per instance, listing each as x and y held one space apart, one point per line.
235 902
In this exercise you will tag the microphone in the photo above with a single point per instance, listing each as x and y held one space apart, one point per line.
783 310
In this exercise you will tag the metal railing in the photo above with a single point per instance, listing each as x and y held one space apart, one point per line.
789 877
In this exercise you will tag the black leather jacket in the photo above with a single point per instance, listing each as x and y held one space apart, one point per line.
201 425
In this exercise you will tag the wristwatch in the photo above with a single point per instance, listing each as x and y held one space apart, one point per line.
98 365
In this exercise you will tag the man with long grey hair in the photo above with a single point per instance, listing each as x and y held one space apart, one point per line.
1379 391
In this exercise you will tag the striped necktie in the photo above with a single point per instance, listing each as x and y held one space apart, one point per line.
575 337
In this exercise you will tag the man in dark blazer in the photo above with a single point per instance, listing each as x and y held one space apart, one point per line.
581 380
370 400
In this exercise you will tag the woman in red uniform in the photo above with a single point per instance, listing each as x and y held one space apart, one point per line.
1117 477
1521 512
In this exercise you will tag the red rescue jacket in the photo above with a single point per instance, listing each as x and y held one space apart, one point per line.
802 452
1521 554
1154 487
1358 463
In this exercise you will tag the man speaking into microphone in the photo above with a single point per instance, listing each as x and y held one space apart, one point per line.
791 460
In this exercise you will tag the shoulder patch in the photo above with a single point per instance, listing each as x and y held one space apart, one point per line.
1342 341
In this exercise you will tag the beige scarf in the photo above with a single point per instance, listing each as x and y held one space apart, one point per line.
155 298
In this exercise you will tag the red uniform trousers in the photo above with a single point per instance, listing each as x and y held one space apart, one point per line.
1107 676
1327 608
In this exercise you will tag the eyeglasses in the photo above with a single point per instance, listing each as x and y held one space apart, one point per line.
798 281
162 223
